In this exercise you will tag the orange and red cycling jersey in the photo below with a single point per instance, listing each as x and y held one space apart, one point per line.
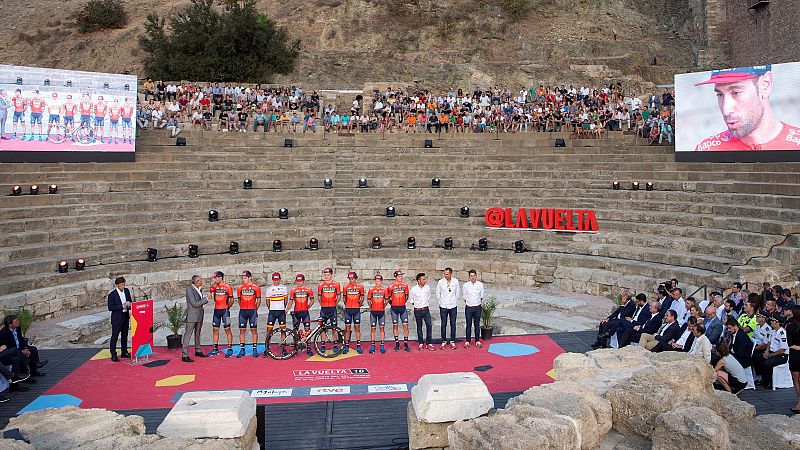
377 298
353 292
100 109
127 112
301 297
114 110
19 103
69 109
398 293
248 293
86 107
37 105
221 293
329 292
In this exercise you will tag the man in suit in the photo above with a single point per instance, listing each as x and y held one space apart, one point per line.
11 337
5 105
741 346
685 336
608 326
713 325
649 326
668 332
195 299
640 316
119 303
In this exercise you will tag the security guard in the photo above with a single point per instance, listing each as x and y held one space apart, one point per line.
775 355
747 321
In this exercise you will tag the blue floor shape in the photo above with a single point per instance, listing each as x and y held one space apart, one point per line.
512 349
51 401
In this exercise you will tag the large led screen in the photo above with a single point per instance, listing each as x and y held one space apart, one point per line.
51 115
739 114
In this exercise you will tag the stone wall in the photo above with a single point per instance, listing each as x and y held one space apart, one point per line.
768 34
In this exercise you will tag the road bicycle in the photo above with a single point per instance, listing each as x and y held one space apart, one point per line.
83 133
327 340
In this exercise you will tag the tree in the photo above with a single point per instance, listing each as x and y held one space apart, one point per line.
234 43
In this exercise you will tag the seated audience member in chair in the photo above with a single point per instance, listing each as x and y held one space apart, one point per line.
739 343
640 316
731 376
11 336
776 353
649 326
666 335
686 336
701 344
712 325
609 325
12 358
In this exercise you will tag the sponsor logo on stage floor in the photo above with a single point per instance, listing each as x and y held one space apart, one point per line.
386 388
330 374
270 393
330 390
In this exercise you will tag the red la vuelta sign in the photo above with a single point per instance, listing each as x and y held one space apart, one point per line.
569 220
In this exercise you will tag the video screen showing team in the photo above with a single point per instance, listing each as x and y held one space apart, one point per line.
60 115
298 301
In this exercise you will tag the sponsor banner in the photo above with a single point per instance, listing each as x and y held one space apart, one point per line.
386 388
566 220
270 393
330 390
742 109
330 374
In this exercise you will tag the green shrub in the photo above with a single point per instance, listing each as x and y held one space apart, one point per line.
515 8
102 15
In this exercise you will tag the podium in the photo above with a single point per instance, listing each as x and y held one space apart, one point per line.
142 330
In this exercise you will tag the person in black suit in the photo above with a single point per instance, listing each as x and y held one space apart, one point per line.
608 326
639 317
741 346
119 303
668 332
665 300
649 326
685 336
11 337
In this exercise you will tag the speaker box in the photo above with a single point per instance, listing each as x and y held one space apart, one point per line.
180 141
288 143
560 143
428 143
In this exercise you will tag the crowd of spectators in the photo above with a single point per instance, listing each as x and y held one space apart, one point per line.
736 333
586 112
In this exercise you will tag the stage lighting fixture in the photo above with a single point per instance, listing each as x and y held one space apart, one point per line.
80 264
483 244
34 189
649 186
464 212
519 246
376 242
615 185
180 141
213 215
560 142
152 254
283 213
47 81
63 267
277 246
362 183
327 183
16 190
411 242
313 244
435 183
194 251
390 211
428 143
127 87
635 186
448 243
105 85
53 189
69 83
288 143
19 80
248 184
234 248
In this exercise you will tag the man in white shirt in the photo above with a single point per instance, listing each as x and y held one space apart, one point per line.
679 306
473 297
420 299
447 292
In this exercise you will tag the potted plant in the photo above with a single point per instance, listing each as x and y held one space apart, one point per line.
487 315
175 318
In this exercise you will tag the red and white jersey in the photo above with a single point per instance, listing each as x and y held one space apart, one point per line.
114 112
127 111
329 292
100 109
377 298
248 294
19 103
70 109
301 296
787 139
222 293
353 293
37 105
86 107
398 293
276 297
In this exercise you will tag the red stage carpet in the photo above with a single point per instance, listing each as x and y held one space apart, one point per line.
506 364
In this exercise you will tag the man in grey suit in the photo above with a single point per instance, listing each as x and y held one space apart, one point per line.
5 105
195 299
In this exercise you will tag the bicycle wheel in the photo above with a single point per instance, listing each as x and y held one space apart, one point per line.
282 348
56 135
85 134
329 343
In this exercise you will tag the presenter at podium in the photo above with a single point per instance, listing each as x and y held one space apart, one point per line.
119 303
